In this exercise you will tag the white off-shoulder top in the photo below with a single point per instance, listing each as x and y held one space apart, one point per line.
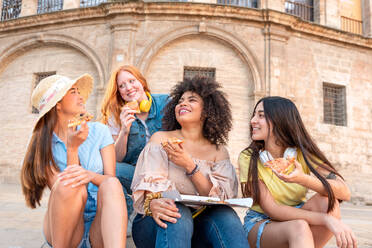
155 173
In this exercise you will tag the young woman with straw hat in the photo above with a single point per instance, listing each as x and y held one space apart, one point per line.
86 207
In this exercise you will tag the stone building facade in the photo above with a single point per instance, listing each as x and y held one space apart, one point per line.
255 51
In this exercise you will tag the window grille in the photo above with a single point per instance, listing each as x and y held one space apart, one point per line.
90 3
38 77
241 3
334 104
190 72
45 6
300 8
10 9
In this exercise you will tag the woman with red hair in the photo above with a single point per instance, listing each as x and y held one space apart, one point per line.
131 129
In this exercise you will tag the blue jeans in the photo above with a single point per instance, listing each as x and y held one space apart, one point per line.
125 172
217 226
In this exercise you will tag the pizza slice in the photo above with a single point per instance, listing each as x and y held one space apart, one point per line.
133 105
281 165
77 120
173 140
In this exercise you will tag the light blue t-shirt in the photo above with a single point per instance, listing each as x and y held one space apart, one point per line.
90 159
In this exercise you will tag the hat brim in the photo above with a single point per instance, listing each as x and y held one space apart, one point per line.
85 85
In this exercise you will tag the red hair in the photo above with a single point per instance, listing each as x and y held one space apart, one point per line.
112 101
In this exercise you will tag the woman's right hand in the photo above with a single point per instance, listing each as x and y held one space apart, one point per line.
164 209
345 237
76 137
126 119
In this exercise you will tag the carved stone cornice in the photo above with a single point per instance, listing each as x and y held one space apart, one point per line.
186 11
124 25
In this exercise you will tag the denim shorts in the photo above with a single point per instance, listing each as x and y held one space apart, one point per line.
84 243
252 218
89 214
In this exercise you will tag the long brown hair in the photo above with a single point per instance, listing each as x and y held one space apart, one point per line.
112 101
38 163
289 131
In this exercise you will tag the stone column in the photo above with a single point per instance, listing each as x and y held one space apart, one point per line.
332 13
272 4
29 7
71 4
276 39
319 11
367 17
123 43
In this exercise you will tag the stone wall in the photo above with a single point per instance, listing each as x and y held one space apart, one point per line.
255 53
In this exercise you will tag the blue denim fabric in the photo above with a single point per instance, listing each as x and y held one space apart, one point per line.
137 134
84 243
136 143
217 226
252 218
125 172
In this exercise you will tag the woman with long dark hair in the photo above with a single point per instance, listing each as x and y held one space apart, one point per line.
281 216
86 205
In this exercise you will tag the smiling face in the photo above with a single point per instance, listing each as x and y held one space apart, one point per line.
129 87
72 103
189 108
260 127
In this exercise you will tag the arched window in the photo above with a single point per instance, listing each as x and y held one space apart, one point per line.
301 8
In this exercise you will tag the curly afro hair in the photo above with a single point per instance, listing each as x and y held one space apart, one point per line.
216 109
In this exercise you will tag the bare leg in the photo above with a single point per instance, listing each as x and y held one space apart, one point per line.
109 227
319 203
294 233
64 221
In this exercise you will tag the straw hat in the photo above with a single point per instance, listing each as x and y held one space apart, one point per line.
52 89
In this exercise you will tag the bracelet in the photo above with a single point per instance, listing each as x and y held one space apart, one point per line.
148 199
196 169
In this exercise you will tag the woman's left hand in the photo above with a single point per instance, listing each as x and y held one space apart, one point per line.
296 176
179 156
75 175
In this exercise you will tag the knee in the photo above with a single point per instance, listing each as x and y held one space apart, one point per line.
67 194
298 228
110 185
322 206
224 215
184 224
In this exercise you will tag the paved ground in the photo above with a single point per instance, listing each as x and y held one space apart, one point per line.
20 227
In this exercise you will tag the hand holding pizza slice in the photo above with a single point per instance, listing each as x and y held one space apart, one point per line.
77 120
281 165
133 105
173 140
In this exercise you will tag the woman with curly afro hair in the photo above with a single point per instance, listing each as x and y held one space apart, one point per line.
189 157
